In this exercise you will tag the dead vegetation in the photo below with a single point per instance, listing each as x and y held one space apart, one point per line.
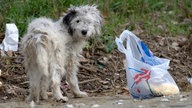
102 73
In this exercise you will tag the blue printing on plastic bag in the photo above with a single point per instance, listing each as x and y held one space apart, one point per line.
145 49
147 57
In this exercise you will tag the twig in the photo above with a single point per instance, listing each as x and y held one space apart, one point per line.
91 69
23 83
83 61
90 80
88 69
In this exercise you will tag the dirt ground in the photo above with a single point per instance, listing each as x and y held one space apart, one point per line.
103 74
119 101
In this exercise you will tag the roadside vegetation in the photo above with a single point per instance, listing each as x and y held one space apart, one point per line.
149 17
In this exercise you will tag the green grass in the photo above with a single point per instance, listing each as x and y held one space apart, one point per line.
154 17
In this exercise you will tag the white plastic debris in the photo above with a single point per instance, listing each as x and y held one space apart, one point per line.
147 75
1 84
95 106
69 106
140 106
10 42
119 102
32 104
165 100
183 99
190 80
79 104
181 96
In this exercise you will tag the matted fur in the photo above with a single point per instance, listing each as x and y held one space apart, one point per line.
51 50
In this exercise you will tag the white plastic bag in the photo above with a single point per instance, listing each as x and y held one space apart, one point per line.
10 42
147 75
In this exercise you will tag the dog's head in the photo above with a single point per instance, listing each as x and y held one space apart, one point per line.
83 22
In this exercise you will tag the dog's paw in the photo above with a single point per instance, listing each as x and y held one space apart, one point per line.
81 95
29 98
62 99
44 96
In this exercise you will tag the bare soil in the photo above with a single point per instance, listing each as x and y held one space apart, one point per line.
117 101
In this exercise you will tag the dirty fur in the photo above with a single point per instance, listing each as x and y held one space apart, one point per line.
51 50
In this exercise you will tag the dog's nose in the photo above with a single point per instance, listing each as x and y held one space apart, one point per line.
84 32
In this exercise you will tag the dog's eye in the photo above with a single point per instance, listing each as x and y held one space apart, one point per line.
77 21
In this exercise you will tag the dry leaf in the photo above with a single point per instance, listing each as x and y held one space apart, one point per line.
10 53
175 45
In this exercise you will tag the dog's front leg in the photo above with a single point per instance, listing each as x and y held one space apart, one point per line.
71 78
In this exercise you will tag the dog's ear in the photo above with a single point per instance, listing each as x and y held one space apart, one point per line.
99 20
67 19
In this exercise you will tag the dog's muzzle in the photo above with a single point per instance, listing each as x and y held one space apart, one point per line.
84 32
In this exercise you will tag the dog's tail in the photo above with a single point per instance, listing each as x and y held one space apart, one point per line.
36 51
42 54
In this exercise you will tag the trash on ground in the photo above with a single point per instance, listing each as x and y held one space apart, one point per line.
164 100
95 106
165 89
69 106
183 99
10 41
141 106
190 80
79 104
147 75
1 84
119 102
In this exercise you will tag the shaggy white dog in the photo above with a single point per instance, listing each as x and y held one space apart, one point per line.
51 50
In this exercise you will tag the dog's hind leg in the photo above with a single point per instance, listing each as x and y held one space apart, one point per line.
34 83
57 71
44 87
37 67
42 66
55 84
44 80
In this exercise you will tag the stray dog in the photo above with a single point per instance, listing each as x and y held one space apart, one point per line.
51 50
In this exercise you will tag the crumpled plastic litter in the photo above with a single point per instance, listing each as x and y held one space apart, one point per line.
190 80
10 42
